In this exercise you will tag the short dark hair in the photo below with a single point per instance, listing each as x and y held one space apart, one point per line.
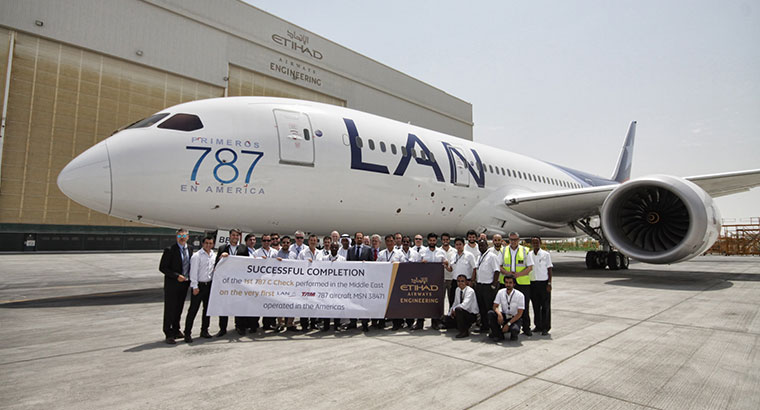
274 234
509 276
432 235
209 238
180 230
406 237
389 237
285 237
239 232
248 236
445 234
471 232
313 236
536 237
458 239
462 275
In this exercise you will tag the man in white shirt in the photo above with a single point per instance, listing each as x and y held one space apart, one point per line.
298 245
541 287
390 253
265 252
498 246
461 263
432 254
446 245
418 243
397 240
326 242
201 272
464 310
331 256
506 315
472 245
309 254
410 255
486 281
275 241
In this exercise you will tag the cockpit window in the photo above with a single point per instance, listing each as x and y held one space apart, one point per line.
182 122
147 122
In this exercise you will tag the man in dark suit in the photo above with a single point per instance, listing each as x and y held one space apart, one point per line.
232 248
359 252
175 265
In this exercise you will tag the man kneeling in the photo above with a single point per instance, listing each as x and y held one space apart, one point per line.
506 315
464 310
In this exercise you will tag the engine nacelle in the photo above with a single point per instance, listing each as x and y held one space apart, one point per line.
660 219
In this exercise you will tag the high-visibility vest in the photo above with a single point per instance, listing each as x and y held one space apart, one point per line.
519 264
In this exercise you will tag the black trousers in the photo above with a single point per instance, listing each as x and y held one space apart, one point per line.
485 295
451 290
525 290
462 320
174 300
269 322
306 321
204 291
398 323
241 322
493 322
541 300
326 323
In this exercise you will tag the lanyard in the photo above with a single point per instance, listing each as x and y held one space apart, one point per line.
509 299
388 255
458 257
480 261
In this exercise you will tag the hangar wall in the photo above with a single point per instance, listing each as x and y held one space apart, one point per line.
81 69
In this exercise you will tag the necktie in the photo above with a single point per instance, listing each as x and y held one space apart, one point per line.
357 251
185 262
375 254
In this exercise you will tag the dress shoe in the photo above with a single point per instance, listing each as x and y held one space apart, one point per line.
205 334
240 331
365 328
179 335
252 330
462 335
396 327
337 328
536 329
267 327
170 341
292 328
188 338
325 329
545 333
350 326
221 333
417 326
528 332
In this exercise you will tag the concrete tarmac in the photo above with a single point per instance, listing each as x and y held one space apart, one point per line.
83 331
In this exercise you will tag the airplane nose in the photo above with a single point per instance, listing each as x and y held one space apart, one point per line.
87 179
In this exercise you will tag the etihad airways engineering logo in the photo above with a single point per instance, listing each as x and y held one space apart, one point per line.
297 42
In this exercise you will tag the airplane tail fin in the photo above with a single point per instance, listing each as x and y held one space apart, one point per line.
623 168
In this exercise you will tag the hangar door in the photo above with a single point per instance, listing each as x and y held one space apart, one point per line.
294 133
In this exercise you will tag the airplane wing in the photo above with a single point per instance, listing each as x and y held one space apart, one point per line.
727 183
573 204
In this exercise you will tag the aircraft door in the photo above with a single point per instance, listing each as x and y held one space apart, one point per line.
462 174
296 139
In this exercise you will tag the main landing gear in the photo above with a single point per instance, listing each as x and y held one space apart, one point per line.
603 259
608 258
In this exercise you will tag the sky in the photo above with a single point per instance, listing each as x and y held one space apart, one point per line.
561 81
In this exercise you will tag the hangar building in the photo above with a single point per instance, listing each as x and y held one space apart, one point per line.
73 71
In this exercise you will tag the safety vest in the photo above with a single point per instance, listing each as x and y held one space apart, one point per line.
519 265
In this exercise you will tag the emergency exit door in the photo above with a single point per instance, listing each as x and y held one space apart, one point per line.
462 176
296 140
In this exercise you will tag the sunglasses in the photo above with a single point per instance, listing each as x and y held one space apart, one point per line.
299 237
182 236
266 240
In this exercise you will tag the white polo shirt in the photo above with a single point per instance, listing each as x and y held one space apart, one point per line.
451 252
499 254
510 303
265 254
328 257
307 254
461 265
410 256
542 261
475 251
466 300
393 256
487 264
436 255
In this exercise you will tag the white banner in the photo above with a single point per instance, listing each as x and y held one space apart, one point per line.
244 286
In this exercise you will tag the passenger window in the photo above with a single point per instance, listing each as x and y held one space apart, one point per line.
509 172
393 149
404 153
371 144
414 153
359 142
382 146
147 122
502 171
490 168
182 122
432 157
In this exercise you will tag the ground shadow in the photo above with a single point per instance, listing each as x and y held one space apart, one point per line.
126 297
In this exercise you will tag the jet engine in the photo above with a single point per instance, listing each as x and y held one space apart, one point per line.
660 219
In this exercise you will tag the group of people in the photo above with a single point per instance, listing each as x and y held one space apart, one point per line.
491 287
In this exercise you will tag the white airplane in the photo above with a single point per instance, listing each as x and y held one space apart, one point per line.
270 164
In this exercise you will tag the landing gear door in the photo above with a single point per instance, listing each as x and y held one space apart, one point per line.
296 140
462 174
